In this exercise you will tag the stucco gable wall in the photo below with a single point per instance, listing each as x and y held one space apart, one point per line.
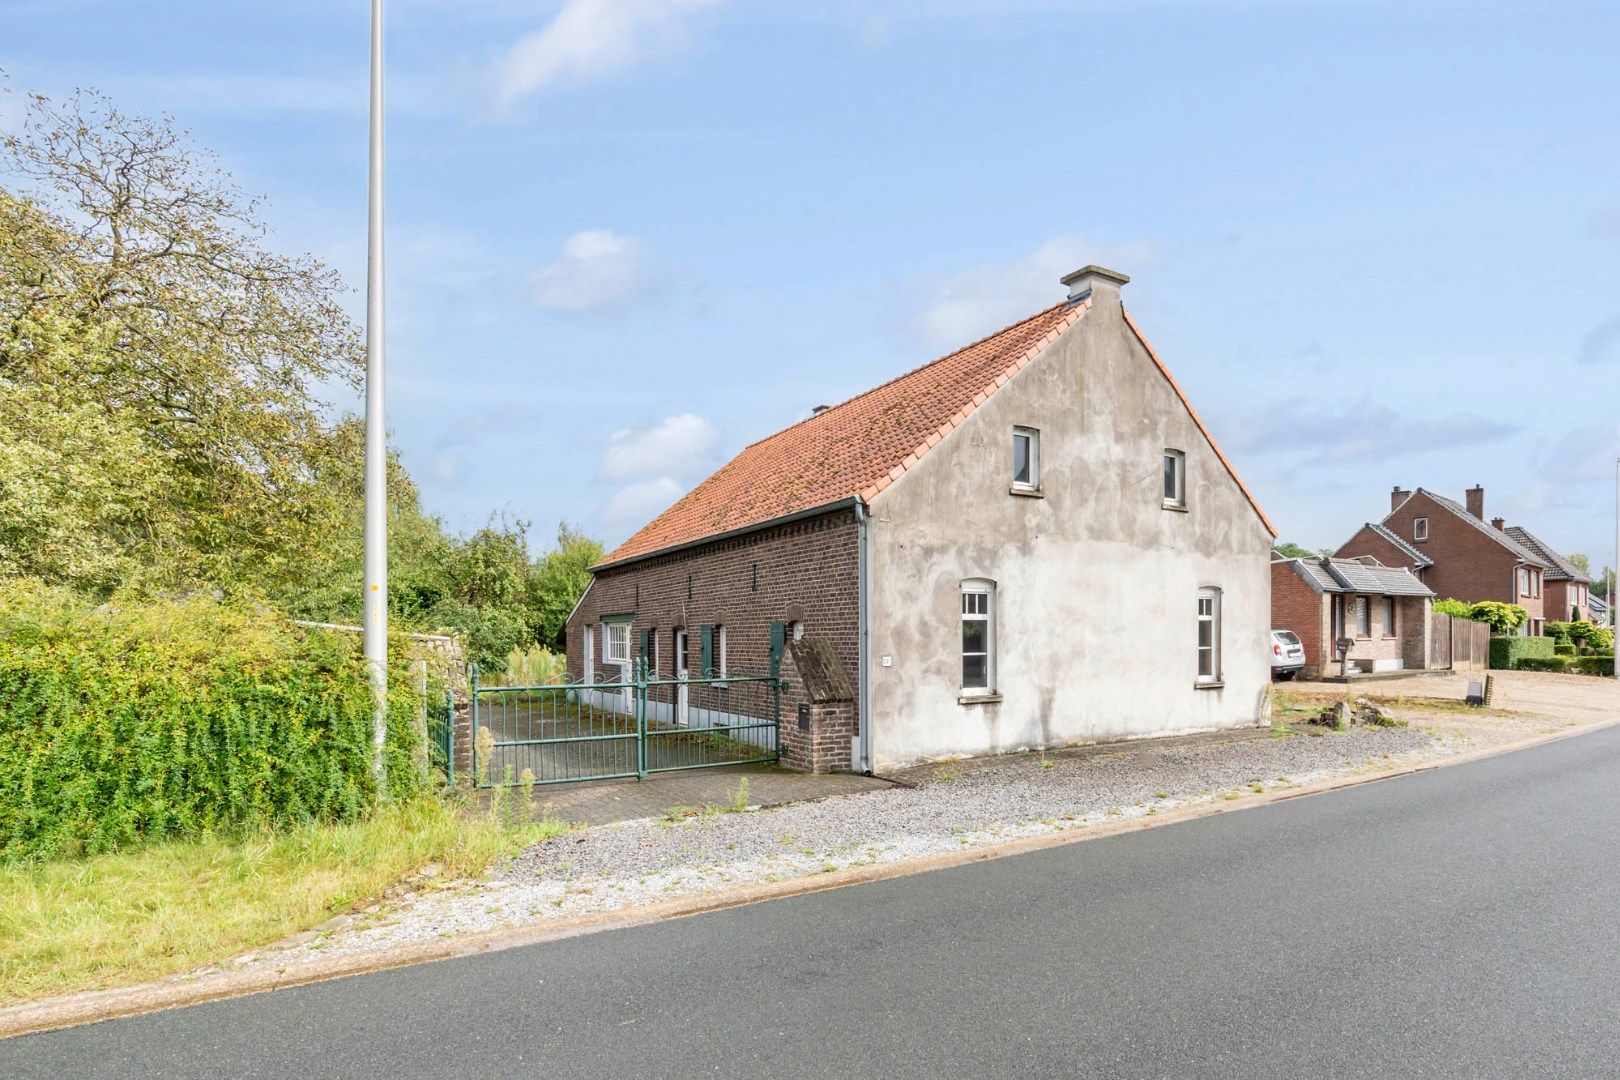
1096 582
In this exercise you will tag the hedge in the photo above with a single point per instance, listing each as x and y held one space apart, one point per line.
1548 663
1507 652
145 720
1563 650
1595 665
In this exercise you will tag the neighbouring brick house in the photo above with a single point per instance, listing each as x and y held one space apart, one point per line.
1031 541
1385 611
1566 588
1459 555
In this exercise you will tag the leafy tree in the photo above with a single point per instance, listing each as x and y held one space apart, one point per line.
1581 563
559 581
133 279
1502 618
1455 608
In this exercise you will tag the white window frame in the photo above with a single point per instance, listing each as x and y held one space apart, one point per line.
589 659
610 655
1212 596
1176 461
982 589
1420 528
1034 437
720 650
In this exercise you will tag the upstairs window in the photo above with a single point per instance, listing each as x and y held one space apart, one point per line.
978 636
1175 480
1420 528
1209 635
1026 471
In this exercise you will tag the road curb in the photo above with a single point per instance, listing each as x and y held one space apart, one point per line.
179 991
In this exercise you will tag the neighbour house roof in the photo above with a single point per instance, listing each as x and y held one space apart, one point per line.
1362 575
1598 607
1559 568
1499 535
856 449
1418 558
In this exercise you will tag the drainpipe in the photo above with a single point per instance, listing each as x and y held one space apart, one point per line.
861 755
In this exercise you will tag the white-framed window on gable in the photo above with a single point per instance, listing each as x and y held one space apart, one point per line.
1420 528
1209 635
1175 480
1026 462
978 636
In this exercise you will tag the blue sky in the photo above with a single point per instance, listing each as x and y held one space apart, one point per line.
1376 242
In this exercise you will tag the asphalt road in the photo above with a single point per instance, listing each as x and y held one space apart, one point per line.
1460 923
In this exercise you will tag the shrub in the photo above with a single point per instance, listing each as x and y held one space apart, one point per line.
1558 631
1591 636
147 720
1563 650
1595 665
1507 652
1455 608
1503 618
1545 663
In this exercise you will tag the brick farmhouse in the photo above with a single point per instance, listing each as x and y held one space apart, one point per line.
1032 541
1459 555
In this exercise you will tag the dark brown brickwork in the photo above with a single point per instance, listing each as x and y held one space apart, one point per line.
818 728
804 571
1468 565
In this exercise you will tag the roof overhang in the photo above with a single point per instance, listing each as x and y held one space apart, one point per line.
847 503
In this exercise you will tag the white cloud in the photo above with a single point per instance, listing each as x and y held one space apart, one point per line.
981 300
635 504
674 446
597 269
593 39
1358 433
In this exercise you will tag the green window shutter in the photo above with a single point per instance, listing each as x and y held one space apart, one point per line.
708 653
778 643
646 649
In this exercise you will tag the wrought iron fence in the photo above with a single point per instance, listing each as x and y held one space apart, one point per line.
558 733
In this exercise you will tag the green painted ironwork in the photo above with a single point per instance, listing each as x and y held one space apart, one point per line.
642 725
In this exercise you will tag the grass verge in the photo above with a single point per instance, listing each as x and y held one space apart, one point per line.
118 919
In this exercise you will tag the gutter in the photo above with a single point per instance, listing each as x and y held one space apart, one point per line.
741 530
861 752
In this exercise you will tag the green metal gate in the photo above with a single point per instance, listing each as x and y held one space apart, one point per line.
559 733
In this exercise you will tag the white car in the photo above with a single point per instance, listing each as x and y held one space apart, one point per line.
1287 654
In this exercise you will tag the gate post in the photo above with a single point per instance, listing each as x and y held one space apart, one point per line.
640 692
472 692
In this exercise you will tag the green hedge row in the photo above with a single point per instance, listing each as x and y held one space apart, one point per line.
1583 665
145 720
1508 653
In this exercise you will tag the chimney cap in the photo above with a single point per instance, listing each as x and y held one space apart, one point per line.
1083 280
1499 523
817 410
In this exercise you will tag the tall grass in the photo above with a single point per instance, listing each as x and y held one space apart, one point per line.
122 918
535 666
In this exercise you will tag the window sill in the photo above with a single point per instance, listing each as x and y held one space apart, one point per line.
1178 507
979 699
1213 684
1027 492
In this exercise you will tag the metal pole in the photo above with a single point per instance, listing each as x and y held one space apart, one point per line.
376 567
1614 614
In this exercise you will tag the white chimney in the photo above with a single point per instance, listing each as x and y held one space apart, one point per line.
1096 282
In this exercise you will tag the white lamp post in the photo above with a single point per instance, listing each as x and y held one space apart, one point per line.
376 560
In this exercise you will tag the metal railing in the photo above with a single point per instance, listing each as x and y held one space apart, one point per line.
559 733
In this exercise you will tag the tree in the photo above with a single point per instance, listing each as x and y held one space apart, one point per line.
1290 550
560 580
1581 563
1503 618
133 280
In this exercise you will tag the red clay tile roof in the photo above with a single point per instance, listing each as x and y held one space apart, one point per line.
862 446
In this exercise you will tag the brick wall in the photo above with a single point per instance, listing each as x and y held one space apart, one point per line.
804 571
1468 565
1296 606
1558 600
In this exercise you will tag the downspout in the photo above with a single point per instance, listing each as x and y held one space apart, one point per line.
861 755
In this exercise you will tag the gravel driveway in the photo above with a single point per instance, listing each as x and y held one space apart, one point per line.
946 807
